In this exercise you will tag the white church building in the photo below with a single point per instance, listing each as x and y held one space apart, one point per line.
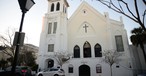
86 34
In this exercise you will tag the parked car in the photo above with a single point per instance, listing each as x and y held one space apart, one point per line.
20 70
52 72
1 70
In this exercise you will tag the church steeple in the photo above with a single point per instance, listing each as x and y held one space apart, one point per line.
54 36
57 6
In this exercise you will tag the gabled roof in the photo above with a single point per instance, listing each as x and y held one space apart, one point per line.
85 4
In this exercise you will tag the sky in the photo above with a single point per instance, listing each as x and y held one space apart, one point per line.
10 17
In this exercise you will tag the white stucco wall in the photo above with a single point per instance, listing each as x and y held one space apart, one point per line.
101 29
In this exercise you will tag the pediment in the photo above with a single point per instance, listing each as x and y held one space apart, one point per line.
86 10
85 29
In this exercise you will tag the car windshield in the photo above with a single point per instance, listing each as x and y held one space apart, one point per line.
53 69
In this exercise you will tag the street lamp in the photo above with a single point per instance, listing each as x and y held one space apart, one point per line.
25 5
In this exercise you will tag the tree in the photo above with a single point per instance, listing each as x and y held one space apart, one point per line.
111 57
2 47
62 57
27 55
123 7
3 63
138 37
26 58
6 43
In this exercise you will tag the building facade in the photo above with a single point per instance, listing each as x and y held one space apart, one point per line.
86 34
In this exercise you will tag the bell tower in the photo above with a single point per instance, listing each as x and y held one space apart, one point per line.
55 6
54 31
55 26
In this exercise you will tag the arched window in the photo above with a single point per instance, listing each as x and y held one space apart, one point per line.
70 68
86 50
98 68
97 49
52 7
58 6
76 51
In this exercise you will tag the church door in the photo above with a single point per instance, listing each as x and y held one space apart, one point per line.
84 70
50 63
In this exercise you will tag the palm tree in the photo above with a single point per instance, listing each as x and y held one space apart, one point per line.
138 37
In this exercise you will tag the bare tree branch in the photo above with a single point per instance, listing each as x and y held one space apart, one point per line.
130 13
116 9
136 8
126 4
111 57
144 16
120 6
6 52
144 1
62 57
6 41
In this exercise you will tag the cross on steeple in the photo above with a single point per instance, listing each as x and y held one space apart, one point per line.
85 28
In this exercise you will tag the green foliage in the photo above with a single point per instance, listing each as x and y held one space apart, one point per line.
3 63
34 67
138 37
26 55
26 58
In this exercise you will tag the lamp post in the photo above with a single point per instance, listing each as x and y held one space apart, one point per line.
25 5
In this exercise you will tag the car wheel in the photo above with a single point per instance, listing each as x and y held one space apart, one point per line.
56 75
40 75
